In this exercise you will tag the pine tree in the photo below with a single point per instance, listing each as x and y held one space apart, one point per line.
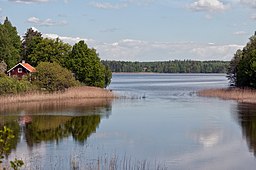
29 42
10 44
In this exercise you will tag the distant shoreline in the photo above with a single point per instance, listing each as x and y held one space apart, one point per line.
240 95
160 73
75 93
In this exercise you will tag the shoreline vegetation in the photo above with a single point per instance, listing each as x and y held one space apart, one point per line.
74 93
238 94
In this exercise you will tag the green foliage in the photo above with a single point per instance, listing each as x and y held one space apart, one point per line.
85 64
10 85
233 67
6 135
16 164
12 34
47 50
53 77
108 76
15 127
242 69
176 66
10 44
82 61
29 42
5 138
51 128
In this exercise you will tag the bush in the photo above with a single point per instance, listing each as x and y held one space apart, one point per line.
10 85
7 86
53 77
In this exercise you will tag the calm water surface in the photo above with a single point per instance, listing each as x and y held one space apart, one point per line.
160 122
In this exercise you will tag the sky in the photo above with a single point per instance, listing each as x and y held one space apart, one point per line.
141 30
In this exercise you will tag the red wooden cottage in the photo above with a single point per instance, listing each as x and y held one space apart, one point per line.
20 70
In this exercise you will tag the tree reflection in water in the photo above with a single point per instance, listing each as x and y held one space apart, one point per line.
246 115
55 128
50 122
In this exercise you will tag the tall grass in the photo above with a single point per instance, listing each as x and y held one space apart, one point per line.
83 92
241 95
106 162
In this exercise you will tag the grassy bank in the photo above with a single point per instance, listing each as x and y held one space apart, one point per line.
241 95
70 94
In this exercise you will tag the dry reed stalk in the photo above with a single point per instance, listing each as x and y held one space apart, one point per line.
84 92
56 106
241 95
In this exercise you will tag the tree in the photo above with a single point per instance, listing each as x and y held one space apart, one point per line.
242 69
176 66
108 76
233 67
12 34
10 44
85 64
53 77
48 50
29 42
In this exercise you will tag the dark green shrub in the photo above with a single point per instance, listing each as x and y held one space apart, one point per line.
10 85
53 77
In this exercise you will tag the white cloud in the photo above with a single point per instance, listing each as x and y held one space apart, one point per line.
208 16
240 33
141 2
129 49
107 5
69 40
139 50
46 22
33 1
208 5
216 52
109 30
120 5
29 1
250 3
253 17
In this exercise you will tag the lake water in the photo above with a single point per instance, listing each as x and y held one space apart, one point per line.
159 123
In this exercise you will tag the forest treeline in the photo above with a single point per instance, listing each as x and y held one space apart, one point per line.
176 66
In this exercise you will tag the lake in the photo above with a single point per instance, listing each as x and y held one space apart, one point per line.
158 123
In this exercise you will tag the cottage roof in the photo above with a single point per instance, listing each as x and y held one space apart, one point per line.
26 66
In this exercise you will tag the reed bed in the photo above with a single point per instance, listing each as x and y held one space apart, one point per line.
106 162
83 92
241 95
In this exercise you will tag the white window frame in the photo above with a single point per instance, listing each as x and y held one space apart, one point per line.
19 70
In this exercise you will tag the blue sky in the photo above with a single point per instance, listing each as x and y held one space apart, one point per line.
141 30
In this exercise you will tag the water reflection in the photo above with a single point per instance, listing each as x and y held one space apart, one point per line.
53 121
69 108
246 116
55 128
